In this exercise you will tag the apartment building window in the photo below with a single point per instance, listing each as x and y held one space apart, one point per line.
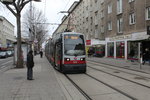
102 13
87 19
132 18
87 30
109 25
96 17
96 13
91 4
96 27
119 6
102 1
86 7
95 1
91 20
148 13
109 8
102 29
131 1
120 25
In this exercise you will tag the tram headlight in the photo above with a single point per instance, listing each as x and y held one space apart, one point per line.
82 59
67 59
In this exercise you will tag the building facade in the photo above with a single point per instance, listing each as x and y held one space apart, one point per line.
122 24
6 33
126 24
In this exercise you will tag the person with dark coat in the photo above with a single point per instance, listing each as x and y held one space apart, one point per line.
30 65
41 53
146 56
90 52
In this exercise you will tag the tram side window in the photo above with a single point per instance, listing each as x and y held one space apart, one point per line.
58 54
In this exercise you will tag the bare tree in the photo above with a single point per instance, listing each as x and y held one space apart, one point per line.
36 24
16 7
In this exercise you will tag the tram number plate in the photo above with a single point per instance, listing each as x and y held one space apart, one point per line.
75 62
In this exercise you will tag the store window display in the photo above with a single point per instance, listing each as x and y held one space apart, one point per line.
110 49
132 50
120 49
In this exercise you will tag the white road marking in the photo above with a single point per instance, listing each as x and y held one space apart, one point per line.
2 67
7 62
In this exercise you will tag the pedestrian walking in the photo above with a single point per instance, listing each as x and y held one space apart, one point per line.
146 56
90 52
30 65
41 53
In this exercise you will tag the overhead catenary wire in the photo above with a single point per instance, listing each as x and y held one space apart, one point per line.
45 8
63 10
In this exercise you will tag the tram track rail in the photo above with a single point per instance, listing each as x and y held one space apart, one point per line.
120 67
109 72
121 77
118 70
81 91
104 83
115 68
123 93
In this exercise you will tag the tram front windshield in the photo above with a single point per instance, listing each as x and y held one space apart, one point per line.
74 45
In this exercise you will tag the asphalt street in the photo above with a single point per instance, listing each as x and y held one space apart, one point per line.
6 63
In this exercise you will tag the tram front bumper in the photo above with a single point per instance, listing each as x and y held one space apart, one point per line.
74 68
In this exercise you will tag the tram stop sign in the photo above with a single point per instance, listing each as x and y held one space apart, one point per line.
148 30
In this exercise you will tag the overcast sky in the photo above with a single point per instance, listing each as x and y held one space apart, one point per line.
51 8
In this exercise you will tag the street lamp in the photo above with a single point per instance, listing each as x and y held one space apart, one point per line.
64 12
69 20
32 46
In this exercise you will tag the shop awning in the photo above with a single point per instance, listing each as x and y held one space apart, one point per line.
139 37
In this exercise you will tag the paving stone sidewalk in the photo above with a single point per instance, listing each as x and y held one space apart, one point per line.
15 86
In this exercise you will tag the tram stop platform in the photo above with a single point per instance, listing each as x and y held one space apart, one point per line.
48 84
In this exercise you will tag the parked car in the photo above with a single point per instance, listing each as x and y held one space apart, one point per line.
3 54
10 53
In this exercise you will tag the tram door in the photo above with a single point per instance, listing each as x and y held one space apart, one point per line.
58 56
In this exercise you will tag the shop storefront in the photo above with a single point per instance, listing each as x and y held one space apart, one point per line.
127 46
132 50
97 45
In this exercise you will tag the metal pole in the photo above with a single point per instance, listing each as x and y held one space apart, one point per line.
140 55
34 41
30 34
